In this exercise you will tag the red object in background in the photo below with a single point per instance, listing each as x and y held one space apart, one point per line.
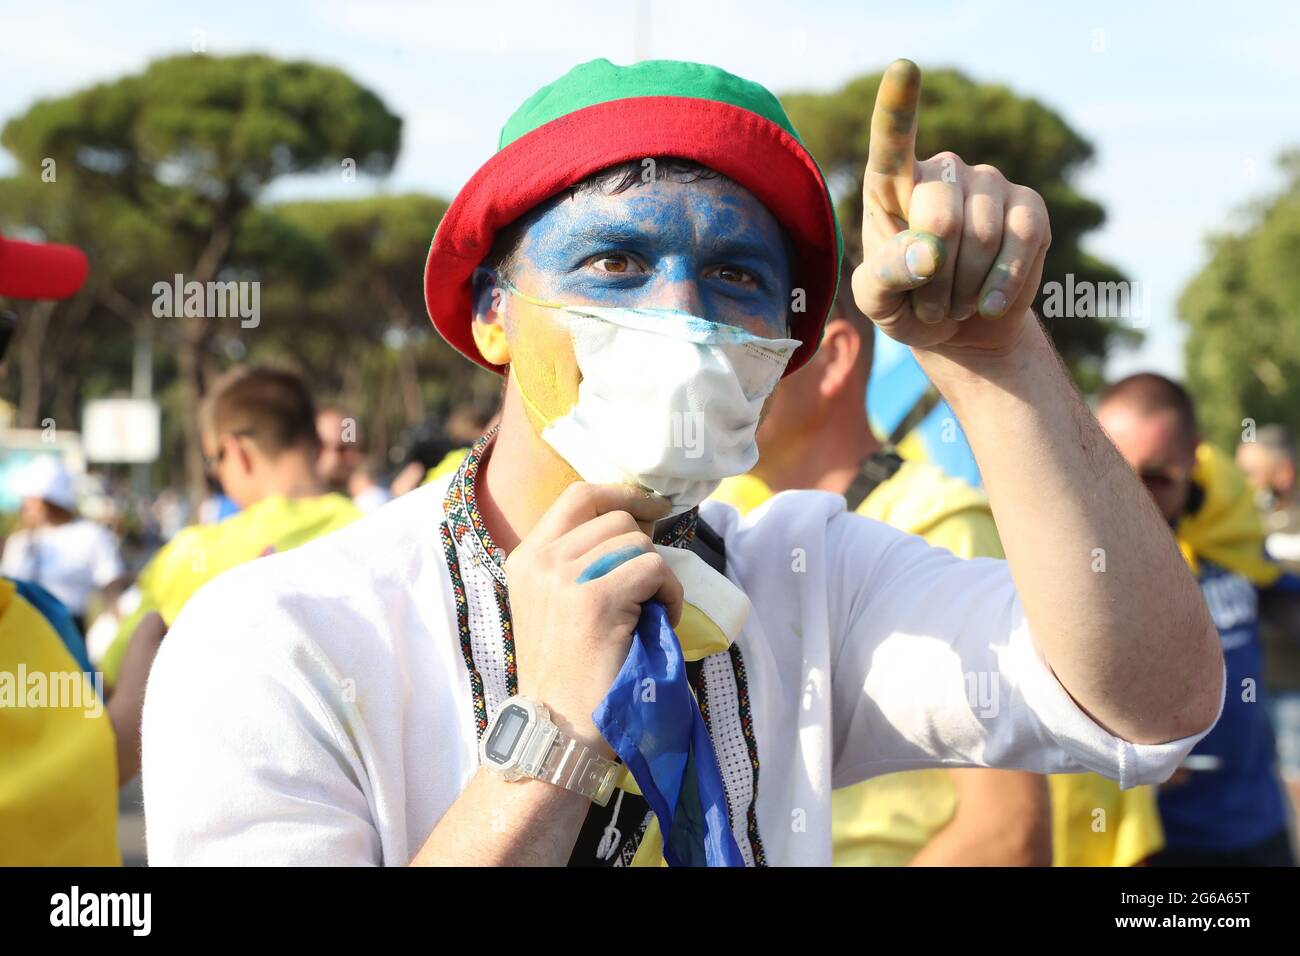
35 270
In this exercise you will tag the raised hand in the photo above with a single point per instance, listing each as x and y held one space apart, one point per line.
953 254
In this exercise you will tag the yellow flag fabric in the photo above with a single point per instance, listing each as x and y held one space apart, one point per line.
1226 530
201 552
58 753
743 492
1095 823
887 820
947 512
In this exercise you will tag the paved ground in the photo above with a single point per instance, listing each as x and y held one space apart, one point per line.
130 824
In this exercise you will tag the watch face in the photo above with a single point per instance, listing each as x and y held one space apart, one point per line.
507 730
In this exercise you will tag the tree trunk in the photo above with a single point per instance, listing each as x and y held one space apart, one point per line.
34 325
191 390
195 337
408 375
63 354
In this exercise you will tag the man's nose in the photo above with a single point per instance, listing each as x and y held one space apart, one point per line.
677 288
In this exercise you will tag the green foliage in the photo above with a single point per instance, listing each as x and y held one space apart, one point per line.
85 343
182 153
1243 315
982 123
195 133
407 373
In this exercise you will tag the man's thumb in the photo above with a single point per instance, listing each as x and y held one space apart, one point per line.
907 261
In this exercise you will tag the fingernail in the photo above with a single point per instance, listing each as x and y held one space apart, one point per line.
921 260
929 313
993 304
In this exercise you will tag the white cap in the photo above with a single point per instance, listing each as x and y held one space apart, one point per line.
47 479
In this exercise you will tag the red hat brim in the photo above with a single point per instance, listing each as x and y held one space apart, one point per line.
35 270
747 148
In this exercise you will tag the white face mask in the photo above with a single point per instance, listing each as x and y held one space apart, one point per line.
668 400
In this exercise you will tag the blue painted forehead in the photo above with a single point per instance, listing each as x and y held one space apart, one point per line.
730 207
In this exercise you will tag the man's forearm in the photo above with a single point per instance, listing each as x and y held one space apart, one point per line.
1109 599
1003 818
498 823
125 702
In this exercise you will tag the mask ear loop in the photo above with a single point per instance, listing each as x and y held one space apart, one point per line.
501 282
515 290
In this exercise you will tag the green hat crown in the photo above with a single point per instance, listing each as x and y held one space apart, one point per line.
600 81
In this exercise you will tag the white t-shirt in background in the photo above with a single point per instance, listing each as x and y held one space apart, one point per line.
375 496
72 561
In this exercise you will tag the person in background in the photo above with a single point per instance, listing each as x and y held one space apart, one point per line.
169 513
343 465
1269 462
61 763
69 556
1225 805
435 451
817 435
262 445
340 448
366 492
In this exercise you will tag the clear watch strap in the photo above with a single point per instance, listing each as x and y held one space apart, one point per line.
575 766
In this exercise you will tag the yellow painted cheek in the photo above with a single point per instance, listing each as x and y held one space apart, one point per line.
546 372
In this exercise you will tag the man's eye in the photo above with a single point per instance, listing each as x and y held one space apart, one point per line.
619 265
735 274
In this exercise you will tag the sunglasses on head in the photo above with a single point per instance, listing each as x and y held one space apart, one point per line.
212 462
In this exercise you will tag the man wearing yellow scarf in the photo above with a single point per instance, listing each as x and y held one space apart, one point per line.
817 435
1225 806
262 445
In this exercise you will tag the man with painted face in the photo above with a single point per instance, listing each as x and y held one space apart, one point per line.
451 679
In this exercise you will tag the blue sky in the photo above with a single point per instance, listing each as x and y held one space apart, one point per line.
1187 105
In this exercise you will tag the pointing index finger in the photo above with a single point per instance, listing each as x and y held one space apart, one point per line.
893 121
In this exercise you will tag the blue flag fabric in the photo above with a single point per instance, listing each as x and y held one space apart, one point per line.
59 618
896 384
653 722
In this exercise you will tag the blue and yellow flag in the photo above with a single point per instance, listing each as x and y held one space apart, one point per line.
652 720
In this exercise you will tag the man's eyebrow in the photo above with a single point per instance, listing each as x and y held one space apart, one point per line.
607 233
631 235
743 247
